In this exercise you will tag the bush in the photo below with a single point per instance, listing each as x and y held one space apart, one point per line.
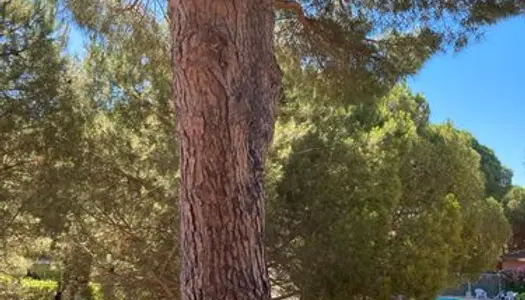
31 289
27 289
513 280
46 271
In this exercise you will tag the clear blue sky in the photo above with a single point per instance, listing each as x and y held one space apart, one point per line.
75 43
482 89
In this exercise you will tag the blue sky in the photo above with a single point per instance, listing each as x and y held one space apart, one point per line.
75 43
482 89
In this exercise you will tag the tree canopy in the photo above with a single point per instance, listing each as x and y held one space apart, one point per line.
396 198
366 198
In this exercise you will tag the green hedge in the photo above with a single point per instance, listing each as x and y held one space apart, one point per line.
46 271
31 289
513 280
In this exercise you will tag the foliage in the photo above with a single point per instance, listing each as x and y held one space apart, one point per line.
513 280
357 189
395 198
514 202
39 124
366 46
498 178
30 289
107 159
363 46
125 184
28 96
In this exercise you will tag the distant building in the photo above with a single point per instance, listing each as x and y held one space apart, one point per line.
513 260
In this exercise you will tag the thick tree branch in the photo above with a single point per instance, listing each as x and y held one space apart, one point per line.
295 6
129 7
286 296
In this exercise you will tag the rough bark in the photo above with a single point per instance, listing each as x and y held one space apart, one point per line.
226 82
77 274
108 285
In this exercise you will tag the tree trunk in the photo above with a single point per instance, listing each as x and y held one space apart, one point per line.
77 273
226 82
107 282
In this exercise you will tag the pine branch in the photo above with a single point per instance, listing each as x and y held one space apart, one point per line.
286 296
295 6
129 7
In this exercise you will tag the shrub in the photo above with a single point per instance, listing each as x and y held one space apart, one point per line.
513 280
46 271
31 289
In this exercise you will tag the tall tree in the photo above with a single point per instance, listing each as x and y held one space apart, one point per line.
125 213
226 79
498 178
514 202
226 83
37 117
396 199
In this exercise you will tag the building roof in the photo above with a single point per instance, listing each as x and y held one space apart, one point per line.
516 255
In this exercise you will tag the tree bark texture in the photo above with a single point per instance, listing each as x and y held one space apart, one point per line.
226 81
77 273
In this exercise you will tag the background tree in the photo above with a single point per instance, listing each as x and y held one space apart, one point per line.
118 176
227 82
498 178
128 218
396 198
101 136
514 202
38 123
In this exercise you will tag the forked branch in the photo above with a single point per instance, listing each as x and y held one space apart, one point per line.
295 6
279 4
128 7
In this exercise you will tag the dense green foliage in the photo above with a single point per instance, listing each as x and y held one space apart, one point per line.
39 126
381 194
514 202
514 280
30 289
498 178
366 198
